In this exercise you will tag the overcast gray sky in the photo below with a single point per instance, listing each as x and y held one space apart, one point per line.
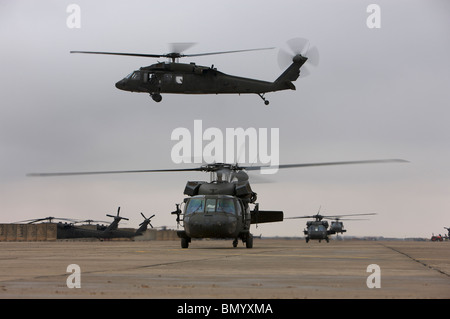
377 93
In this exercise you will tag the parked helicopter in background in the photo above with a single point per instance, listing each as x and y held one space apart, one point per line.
175 77
220 208
68 229
318 228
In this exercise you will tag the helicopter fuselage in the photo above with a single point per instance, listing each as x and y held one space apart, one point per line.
172 77
316 230
336 227
216 216
220 208
193 79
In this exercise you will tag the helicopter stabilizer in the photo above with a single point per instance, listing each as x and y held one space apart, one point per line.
266 216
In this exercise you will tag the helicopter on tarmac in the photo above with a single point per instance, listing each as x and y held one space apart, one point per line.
318 228
336 226
175 77
70 230
220 208
112 230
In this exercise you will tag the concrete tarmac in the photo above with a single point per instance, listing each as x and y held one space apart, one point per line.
272 269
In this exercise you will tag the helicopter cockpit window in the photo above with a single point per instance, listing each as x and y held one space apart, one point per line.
225 205
221 205
136 75
319 228
195 205
211 205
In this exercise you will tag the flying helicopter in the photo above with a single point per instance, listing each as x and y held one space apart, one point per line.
220 208
174 77
318 228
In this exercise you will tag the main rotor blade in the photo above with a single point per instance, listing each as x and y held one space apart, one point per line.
338 216
114 172
224 52
207 168
168 55
252 168
181 46
347 219
119 53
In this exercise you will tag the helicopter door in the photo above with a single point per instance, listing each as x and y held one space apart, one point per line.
173 79
167 78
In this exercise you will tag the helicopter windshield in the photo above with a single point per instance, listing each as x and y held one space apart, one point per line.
136 75
318 228
210 205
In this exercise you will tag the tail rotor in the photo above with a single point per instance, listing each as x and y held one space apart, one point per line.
147 220
299 50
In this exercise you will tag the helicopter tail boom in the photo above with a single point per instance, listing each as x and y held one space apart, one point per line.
291 73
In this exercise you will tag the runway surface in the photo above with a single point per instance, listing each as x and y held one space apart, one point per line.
272 269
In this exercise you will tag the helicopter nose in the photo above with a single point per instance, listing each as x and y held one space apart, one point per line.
120 85
204 226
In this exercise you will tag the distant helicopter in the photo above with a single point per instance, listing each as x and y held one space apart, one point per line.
175 77
220 208
112 230
70 230
318 229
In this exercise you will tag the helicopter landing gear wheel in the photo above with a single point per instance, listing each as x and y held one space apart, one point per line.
235 243
266 102
156 97
249 241
185 242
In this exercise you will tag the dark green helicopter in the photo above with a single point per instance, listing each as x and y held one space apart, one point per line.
113 231
220 208
318 228
175 77
69 230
